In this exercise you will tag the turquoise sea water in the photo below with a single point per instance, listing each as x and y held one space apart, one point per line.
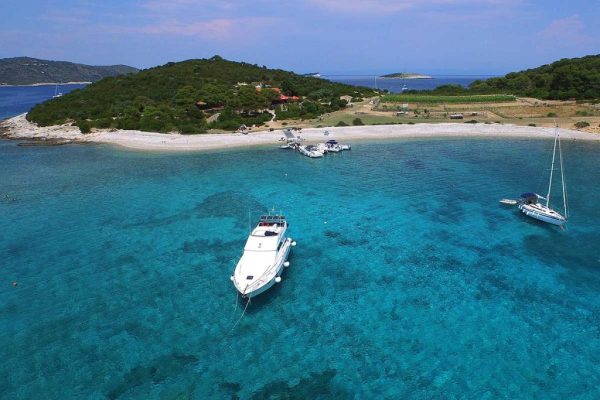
409 279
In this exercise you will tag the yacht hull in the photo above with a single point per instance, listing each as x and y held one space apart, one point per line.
532 212
281 258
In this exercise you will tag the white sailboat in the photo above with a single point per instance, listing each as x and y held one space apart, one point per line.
530 203
265 256
56 93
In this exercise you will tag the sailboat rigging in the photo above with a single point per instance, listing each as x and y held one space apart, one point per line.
56 93
530 202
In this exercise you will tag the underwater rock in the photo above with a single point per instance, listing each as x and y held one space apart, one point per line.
318 384
229 204
156 372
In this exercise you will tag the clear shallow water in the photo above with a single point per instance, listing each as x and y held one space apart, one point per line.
15 100
419 284
396 85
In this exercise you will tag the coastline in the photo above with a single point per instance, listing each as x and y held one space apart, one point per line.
18 128
48 84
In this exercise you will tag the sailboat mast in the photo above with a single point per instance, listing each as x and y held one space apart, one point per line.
562 178
551 170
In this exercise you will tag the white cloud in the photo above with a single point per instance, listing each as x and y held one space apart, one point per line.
566 30
214 29
177 5
393 6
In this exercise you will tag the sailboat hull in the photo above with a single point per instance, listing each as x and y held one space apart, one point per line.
530 204
544 214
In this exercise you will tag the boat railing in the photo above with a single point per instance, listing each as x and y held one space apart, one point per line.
260 281
264 278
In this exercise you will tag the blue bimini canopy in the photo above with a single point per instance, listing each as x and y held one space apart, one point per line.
332 141
528 194
530 198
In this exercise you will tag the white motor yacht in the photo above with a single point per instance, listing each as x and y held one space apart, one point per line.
322 147
265 256
310 151
333 146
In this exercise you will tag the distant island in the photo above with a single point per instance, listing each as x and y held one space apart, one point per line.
406 75
33 71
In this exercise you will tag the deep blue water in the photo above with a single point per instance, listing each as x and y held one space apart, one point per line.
409 279
15 100
396 85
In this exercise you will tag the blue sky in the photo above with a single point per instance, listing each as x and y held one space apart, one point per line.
329 36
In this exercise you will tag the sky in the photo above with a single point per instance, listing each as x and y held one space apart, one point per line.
328 36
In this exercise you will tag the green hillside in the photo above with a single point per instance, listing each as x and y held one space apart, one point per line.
573 78
185 96
29 71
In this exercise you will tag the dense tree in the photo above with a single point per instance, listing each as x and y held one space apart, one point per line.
178 96
575 78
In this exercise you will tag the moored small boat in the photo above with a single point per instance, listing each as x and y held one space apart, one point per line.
310 151
332 146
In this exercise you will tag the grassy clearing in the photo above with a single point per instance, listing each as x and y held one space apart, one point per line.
433 99
332 120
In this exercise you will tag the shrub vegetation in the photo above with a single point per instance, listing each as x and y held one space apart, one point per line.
178 97
574 78
426 97
581 124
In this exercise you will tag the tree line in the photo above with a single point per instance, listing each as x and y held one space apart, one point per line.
178 97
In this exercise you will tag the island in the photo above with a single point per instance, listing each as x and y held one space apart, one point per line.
215 103
22 71
406 75
195 96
